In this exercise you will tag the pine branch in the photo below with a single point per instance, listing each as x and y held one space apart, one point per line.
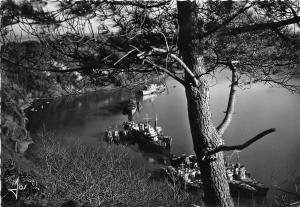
238 147
231 101
261 26
180 62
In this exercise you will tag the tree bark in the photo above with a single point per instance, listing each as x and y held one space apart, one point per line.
204 133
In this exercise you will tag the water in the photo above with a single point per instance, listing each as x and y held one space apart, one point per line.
272 160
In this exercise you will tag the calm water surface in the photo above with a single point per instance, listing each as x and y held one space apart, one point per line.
272 160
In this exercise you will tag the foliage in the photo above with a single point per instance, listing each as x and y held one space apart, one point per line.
16 11
13 176
101 175
103 39
20 86
13 120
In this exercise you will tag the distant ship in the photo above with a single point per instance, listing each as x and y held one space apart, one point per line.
152 88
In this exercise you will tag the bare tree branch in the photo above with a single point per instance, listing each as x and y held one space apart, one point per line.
230 106
180 62
238 147
166 41
124 56
145 59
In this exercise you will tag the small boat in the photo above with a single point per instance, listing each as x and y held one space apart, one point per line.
112 136
152 88
185 170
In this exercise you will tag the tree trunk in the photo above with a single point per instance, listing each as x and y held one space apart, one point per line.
204 134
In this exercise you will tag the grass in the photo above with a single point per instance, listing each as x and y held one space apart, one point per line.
101 175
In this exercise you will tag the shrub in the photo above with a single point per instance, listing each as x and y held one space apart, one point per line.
102 175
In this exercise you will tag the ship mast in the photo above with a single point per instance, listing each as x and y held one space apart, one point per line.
147 119
155 123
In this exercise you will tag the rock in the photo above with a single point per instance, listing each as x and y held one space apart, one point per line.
22 146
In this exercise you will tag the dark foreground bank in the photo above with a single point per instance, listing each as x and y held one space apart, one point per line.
85 175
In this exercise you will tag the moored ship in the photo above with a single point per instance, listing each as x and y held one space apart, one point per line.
185 170
152 88
149 138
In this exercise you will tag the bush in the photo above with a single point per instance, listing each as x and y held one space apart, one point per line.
101 175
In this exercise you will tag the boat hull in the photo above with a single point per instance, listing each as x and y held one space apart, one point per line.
244 188
145 92
247 189
148 145
151 141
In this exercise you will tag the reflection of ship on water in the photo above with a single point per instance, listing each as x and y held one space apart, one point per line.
131 107
134 104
